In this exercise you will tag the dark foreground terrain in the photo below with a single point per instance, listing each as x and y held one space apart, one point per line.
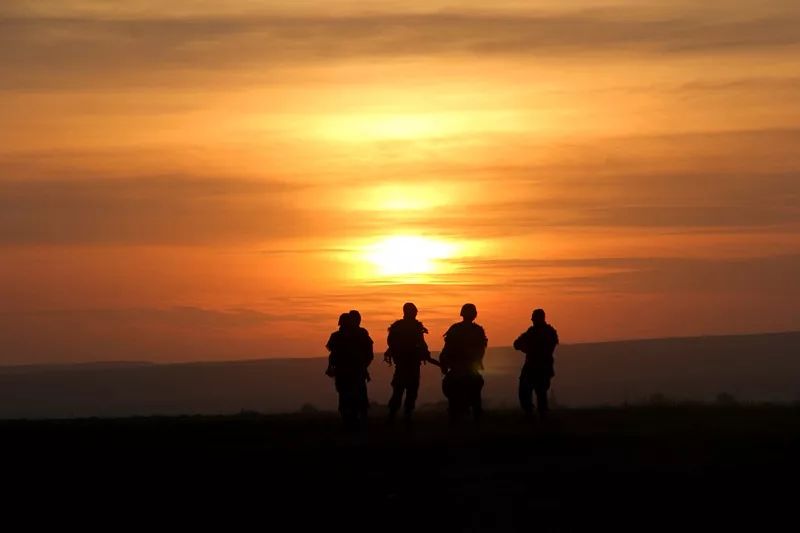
656 468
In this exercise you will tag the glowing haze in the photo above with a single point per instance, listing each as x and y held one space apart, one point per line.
222 179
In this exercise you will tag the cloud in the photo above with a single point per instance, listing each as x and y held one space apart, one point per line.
153 210
177 333
749 84
636 275
610 214
34 50
598 190
532 215
171 317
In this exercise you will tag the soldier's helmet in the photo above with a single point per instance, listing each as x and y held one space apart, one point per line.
409 310
469 312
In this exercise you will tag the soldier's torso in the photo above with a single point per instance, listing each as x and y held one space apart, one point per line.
347 351
540 343
465 344
407 343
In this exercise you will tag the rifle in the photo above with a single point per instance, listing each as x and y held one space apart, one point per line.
432 361
387 358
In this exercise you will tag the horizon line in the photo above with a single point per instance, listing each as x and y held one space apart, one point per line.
144 362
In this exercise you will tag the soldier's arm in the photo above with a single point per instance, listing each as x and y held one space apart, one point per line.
444 357
329 346
424 349
483 346
521 342
390 338
422 346
387 355
369 349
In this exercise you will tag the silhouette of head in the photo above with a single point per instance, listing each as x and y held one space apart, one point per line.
469 312
345 320
355 318
409 310
538 317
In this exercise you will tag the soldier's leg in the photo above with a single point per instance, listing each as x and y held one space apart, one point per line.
348 404
526 394
397 393
412 390
342 404
476 396
397 398
342 393
411 398
451 392
363 400
542 388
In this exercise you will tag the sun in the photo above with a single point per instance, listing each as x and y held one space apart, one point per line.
407 255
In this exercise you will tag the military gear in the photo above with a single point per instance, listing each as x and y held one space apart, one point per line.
351 352
407 350
464 348
538 343
463 392
461 361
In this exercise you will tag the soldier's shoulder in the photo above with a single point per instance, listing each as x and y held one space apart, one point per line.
453 329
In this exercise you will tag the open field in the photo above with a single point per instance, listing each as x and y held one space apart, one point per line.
656 468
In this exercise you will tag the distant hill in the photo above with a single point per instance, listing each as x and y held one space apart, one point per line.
751 368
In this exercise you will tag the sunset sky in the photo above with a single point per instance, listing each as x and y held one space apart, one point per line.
220 180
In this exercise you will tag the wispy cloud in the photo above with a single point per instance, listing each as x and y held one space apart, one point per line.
191 209
123 49
154 210
637 275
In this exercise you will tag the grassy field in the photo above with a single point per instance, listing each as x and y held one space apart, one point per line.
656 468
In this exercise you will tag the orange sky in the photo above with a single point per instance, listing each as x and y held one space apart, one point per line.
222 179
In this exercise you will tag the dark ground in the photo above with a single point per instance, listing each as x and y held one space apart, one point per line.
657 468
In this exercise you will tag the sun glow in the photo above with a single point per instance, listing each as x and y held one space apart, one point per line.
399 126
405 255
400 197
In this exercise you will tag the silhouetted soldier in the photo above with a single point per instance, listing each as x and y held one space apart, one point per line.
538 344
407 351
365 347
462 361
350 354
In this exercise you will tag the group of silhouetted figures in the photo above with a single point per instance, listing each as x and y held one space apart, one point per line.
460 361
